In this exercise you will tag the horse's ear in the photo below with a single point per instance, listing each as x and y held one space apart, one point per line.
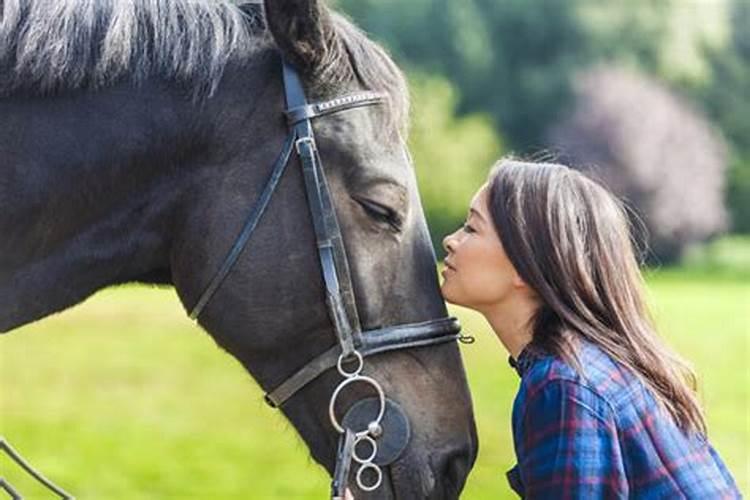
303 31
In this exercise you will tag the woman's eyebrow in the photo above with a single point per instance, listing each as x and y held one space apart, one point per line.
476 213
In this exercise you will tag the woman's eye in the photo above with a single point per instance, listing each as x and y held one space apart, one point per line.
467 228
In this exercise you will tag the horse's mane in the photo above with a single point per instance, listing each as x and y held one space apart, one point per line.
52 45
49 46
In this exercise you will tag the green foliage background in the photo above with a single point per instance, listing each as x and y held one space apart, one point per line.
452 154
512 61
725 96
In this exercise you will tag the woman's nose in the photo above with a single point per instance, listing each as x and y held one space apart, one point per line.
448 242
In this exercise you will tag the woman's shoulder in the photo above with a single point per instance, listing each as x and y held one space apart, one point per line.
562 407
596 374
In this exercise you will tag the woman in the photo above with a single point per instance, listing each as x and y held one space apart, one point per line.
604 408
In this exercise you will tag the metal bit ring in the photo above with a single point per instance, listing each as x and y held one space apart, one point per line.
378 473
344 383
366 438
354 373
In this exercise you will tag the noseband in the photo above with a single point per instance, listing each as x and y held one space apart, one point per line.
388 425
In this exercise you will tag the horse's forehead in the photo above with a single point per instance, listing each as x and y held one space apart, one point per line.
372 151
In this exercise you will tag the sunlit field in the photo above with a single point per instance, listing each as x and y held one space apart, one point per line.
124 398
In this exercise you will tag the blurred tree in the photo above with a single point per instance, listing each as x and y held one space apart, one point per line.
452 155
725 98
513 58
651 148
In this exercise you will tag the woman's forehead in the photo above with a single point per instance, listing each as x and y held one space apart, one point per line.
479 202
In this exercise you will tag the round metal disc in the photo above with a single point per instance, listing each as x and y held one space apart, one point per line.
395 425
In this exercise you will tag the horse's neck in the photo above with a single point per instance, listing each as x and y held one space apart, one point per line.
83 197
93 186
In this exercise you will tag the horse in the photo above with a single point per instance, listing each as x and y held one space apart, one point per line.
136 135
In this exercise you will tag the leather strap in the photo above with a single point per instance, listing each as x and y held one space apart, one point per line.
309 111
334 265
411 335
252 221
373 342
343 465
299 111
339 290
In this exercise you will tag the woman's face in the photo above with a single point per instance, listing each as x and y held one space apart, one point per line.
477 273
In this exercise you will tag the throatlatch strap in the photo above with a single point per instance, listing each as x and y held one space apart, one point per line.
252 221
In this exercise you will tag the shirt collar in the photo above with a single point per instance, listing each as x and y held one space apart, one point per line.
525 359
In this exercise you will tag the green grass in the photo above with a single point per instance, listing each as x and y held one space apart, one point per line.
124 398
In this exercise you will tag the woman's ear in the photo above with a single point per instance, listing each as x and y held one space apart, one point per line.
303 32
518 282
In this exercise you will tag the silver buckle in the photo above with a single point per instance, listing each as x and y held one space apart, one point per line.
308 140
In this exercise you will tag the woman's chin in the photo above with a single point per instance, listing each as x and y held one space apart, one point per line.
446 293
452 298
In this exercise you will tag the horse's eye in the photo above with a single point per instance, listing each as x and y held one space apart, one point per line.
380 213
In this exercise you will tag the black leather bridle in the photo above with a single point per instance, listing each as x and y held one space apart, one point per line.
353 344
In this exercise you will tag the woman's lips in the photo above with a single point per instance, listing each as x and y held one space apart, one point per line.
447 268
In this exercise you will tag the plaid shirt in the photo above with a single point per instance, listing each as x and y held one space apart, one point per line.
603 436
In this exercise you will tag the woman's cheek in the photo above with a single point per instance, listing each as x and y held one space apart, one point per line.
479 284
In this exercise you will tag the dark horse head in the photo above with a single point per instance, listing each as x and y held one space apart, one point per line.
134 138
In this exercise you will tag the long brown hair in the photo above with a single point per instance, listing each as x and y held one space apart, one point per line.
570 241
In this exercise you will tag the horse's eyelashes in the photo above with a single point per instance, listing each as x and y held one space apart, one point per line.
380 212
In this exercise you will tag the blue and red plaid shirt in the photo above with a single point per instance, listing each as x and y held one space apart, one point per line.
603 436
